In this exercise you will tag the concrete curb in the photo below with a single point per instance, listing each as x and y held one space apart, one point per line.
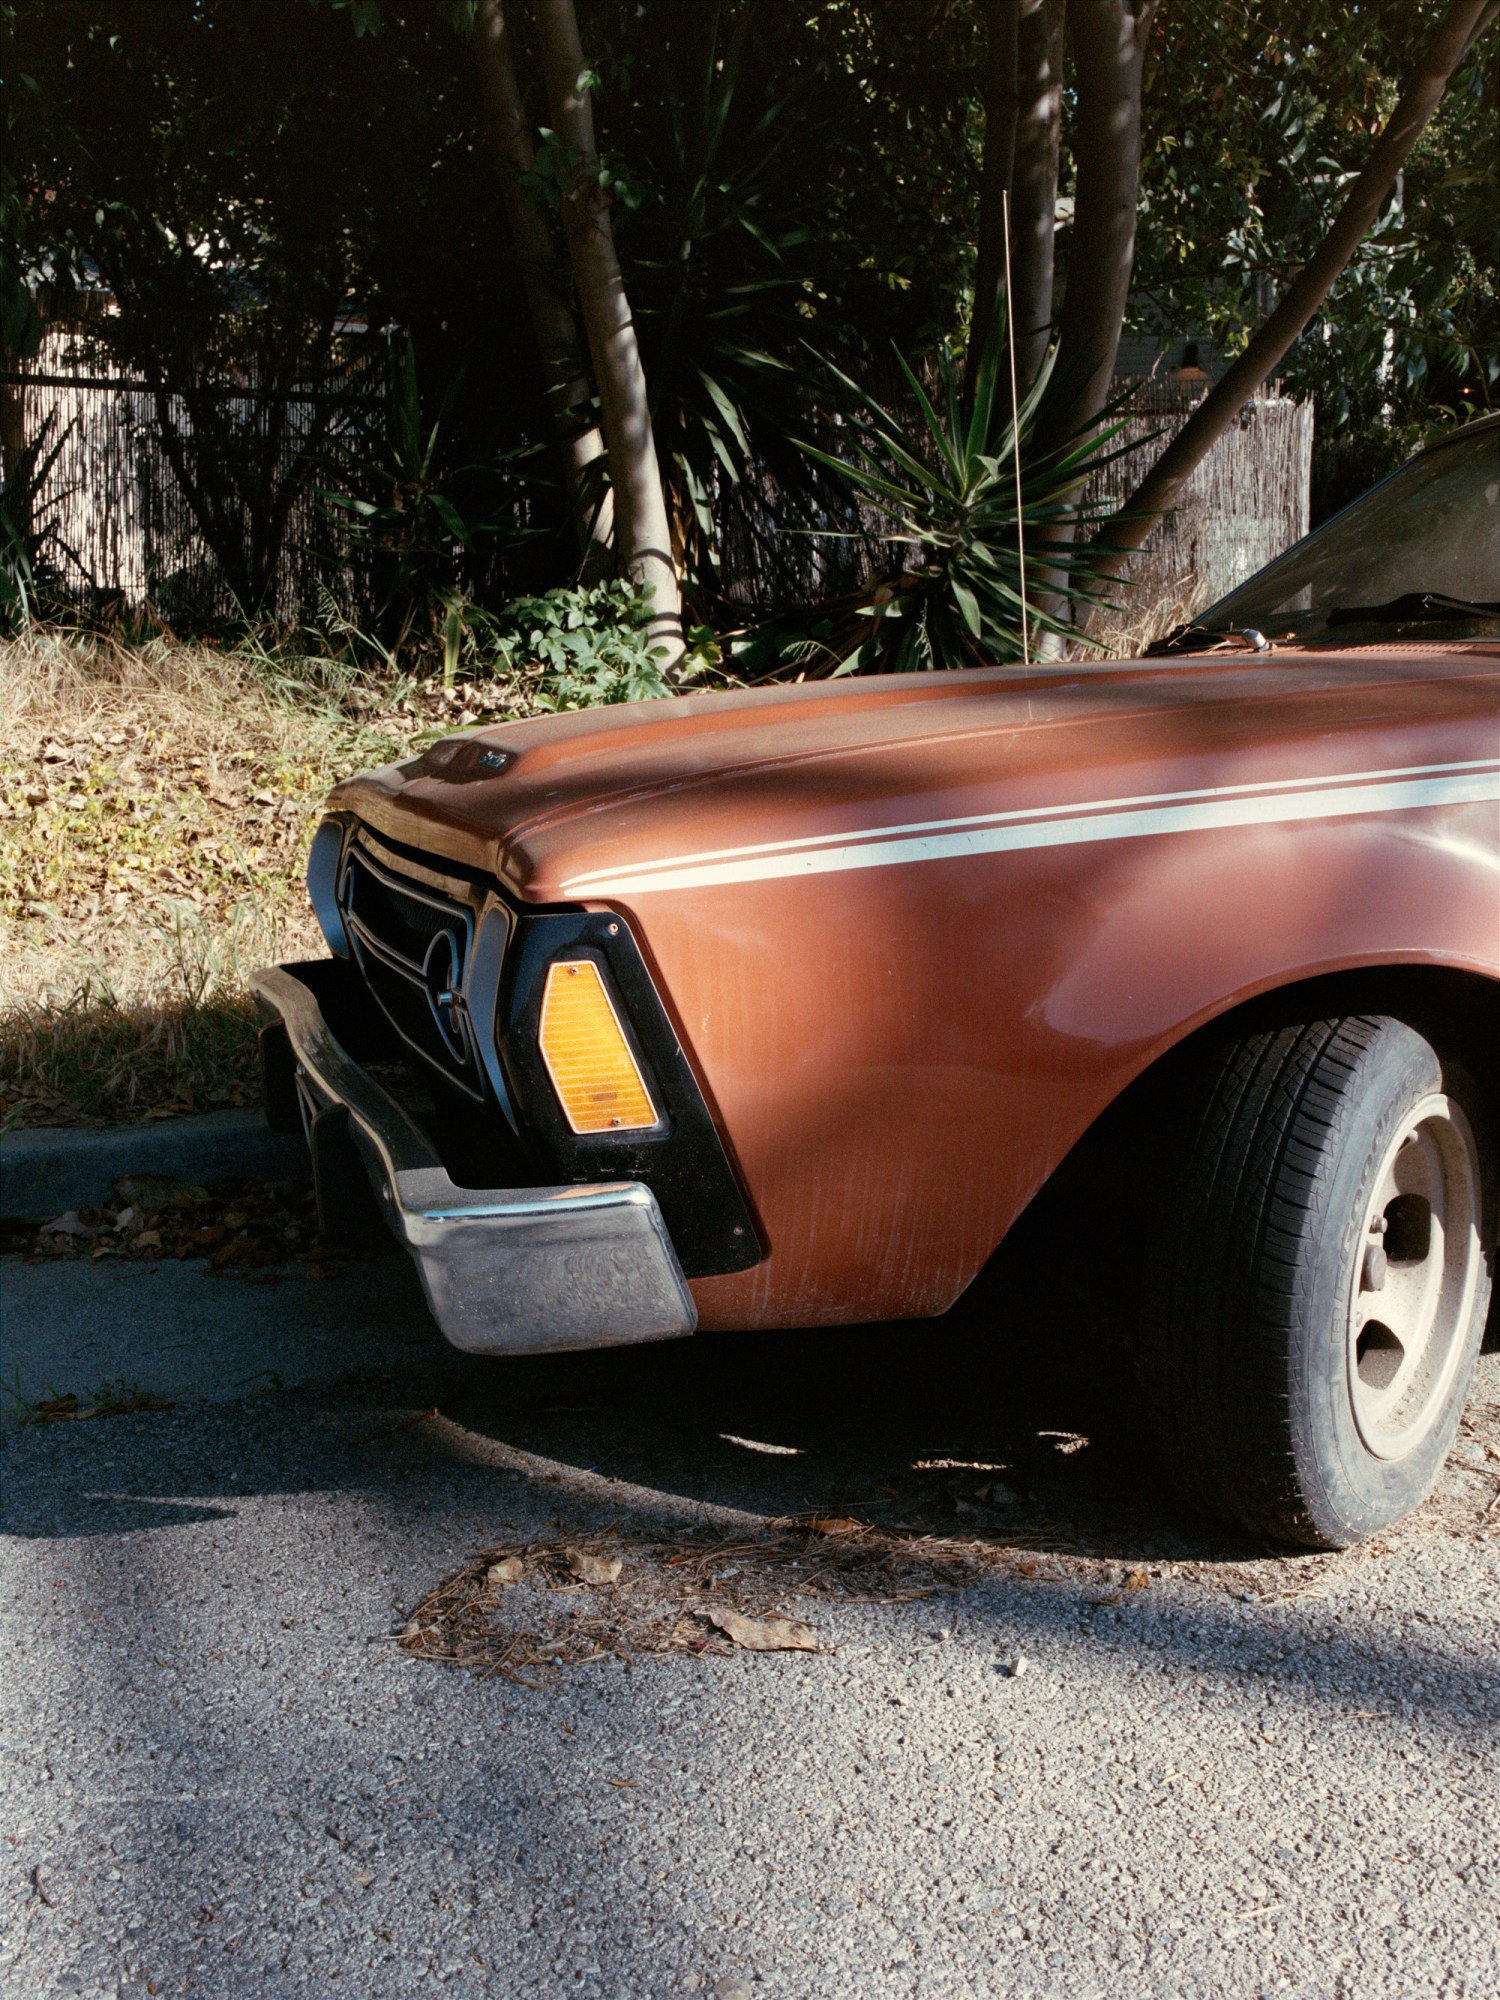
46 1172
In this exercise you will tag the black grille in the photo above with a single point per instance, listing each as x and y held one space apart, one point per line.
395 920
417 980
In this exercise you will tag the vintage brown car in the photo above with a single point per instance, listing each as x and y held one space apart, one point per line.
777 1008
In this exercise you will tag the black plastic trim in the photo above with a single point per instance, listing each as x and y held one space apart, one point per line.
459 1063
682 1160
278 1078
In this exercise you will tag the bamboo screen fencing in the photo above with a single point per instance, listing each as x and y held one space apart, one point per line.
119 530
123 533
1246 502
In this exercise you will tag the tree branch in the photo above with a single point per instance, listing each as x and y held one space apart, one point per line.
1022 121
1001 111
1033 202
1458 30
643 539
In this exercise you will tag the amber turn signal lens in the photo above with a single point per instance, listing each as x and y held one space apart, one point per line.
586 1053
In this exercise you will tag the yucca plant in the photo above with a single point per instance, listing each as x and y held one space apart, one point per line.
946 491
423 523
29 572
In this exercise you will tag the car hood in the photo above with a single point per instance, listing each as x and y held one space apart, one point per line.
575 807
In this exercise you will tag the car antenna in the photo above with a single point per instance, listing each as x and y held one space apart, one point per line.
1015 426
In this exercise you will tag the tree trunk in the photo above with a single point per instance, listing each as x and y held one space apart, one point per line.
643 543
1463 23
1001 108
1033 203
564 375
1107 40
1022 124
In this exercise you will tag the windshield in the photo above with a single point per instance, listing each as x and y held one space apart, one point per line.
1429 533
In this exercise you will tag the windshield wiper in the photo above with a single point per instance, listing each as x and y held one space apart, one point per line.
1413 607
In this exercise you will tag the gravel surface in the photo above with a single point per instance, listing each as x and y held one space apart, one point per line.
1135 1760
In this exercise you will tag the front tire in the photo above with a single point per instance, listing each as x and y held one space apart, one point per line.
1317 1282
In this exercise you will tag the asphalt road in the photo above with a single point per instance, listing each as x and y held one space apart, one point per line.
1253 1776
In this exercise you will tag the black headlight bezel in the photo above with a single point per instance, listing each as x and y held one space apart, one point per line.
325 867
683 1159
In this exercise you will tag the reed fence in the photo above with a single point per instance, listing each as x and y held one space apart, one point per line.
121 532
1247 501
116 528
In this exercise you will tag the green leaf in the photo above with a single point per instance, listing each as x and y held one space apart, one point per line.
449 515
956 599
968 605
726 410
945 441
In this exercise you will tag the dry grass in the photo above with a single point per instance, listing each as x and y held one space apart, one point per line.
1126 628
156 802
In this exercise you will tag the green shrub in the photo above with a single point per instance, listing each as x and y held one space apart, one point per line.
588 643
422 524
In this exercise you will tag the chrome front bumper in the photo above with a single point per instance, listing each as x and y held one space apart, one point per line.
505 1270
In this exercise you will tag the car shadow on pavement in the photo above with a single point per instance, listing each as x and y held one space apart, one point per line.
625 1441
966 1426
1015 1421
1017 1418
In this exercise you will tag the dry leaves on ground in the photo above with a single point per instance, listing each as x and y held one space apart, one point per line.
765 1635
618 1591
110 1399
242 1227
594 1569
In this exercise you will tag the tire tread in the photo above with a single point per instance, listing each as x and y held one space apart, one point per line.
1229 1277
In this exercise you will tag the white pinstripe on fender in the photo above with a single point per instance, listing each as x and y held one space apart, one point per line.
1331 797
